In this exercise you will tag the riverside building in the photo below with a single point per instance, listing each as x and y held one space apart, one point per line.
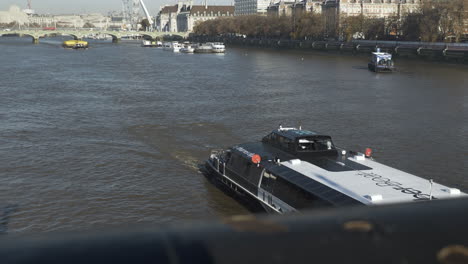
289 8
334 10
183 16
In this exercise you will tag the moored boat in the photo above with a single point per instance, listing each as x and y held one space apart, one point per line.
218 47
172 46
203 48
75 44
293 169
150 43
176 46
166 45
187 48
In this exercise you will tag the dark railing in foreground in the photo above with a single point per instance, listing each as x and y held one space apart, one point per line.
424 232
434 50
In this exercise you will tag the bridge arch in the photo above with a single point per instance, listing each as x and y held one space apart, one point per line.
115 37
147 36
35 39
74 36
20 35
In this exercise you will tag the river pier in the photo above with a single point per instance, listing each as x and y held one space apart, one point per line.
439 51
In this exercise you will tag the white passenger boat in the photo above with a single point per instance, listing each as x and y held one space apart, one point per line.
167 46
218 47
204 48
176 46
187 48
149 43
293 169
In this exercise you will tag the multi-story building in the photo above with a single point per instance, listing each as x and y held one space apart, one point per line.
166 20
335 10
183 16
288 8
377 8
192 15
42 20
251 7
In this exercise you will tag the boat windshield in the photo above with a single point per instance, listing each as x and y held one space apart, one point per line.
308 145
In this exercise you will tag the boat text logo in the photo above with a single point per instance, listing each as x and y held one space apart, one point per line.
386 182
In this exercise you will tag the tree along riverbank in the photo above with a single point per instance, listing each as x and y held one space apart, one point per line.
438 51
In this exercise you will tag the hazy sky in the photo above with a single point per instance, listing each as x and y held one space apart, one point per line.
90 6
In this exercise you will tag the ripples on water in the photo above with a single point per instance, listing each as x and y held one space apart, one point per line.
114 135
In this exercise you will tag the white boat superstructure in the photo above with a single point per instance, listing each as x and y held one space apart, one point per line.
218 47
379 184
172 46
187 48
176 46
150 43
204 48
167 46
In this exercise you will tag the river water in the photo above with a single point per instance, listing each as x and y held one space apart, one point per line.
114 135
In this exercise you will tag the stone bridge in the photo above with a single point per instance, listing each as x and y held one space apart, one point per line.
80 34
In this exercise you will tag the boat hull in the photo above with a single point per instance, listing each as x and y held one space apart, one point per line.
379 68
186 50
203 50
75 44
234 190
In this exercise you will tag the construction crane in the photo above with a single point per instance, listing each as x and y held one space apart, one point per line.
131 11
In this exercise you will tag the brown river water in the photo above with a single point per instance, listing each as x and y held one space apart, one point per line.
114 135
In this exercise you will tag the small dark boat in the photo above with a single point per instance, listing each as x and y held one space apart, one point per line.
381 62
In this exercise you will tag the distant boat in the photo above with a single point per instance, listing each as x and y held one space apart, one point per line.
381 62
75 44
187 48
176 46
150 43
172 46
218 47
204 48
211 47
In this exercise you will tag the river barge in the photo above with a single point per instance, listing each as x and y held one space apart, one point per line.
293 169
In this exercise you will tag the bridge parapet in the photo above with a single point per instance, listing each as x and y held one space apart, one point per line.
80 34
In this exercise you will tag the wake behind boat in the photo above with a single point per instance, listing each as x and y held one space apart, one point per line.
293 169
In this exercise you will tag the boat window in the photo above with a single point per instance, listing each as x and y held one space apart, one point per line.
268 181
270 138
315 145
295 196
235 161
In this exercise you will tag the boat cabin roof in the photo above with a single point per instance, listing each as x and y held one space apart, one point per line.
296 134
382 55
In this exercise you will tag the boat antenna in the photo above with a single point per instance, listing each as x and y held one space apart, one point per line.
430 191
